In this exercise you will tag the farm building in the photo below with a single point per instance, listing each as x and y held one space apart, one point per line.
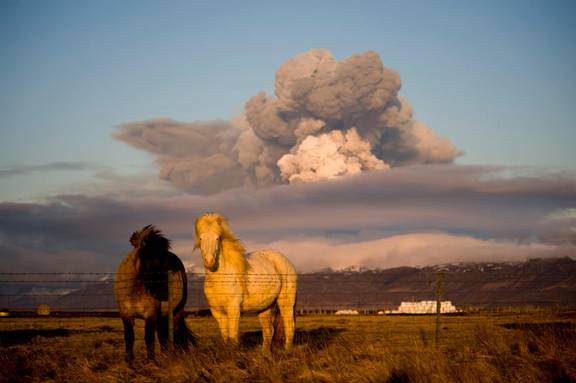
424 307
346 312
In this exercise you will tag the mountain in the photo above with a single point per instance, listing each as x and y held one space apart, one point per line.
537 282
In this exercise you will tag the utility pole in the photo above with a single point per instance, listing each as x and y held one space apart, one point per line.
439 297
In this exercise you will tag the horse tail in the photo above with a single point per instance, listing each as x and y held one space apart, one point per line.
183 336
279 336
284 327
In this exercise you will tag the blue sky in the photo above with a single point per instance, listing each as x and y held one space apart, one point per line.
496 78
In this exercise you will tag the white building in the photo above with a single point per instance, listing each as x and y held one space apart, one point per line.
424 307
346 312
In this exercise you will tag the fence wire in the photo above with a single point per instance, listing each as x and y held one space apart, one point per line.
369 292
76 305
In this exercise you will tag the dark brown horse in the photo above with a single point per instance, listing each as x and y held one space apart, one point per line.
141 288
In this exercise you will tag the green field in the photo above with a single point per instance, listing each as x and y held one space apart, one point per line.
515 346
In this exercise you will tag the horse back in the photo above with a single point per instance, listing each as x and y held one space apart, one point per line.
140 294
270 274
281 264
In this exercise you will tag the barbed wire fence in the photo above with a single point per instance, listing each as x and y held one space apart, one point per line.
93 292
65 296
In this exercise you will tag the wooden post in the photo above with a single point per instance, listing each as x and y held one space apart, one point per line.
170 311
439 297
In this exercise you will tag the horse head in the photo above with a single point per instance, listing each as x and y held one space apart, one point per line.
151 247
211 229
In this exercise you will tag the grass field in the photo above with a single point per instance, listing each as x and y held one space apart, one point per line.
523 346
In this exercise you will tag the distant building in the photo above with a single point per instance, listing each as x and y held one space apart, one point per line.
424 307
346 312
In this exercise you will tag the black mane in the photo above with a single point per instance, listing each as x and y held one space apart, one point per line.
150 238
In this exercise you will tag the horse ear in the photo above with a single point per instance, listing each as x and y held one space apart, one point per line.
134 239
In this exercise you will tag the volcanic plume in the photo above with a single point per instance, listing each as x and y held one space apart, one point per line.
328 119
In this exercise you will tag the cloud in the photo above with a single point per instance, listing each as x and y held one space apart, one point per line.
198 156
18 170
561 228
417 249
328 156
350 108
485 208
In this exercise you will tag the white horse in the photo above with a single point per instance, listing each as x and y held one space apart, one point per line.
264 283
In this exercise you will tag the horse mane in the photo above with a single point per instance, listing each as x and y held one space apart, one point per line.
232 248
152 238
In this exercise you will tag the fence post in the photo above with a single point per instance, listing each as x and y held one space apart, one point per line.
439 296
170 311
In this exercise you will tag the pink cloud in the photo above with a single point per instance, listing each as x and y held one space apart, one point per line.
417 249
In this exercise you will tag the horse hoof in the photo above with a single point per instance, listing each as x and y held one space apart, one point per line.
129 359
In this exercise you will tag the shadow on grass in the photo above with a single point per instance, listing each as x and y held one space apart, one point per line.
539 326
14 337
316 339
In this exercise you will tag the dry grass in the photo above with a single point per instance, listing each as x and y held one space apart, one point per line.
533 346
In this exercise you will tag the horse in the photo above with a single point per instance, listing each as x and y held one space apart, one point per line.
141 289
263 282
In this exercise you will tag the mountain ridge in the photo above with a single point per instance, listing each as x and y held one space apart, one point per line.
535 282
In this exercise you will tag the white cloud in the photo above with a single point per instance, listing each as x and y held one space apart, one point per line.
416 249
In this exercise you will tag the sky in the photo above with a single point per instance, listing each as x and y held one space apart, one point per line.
114 115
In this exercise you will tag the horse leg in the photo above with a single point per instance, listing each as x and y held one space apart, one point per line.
182 336
149 334
233 323
129 338
222 323
266 318
287 313
162 329
286 304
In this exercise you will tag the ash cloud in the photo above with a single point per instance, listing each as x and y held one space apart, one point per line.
197 156
327 156
328 118
19 170
415 215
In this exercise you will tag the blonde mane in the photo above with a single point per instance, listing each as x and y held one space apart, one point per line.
233 249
